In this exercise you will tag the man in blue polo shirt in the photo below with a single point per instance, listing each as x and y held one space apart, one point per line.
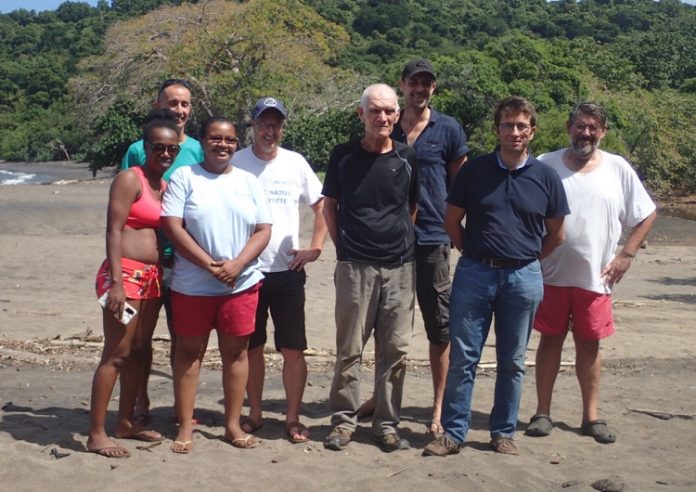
440 144
514 207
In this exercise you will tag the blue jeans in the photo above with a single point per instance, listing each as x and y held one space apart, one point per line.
478 293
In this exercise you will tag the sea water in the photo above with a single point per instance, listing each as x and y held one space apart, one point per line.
16 177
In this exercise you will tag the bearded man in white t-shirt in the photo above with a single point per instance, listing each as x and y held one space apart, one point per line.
288 181
605 195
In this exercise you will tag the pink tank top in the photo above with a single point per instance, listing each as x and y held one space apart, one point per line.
145 211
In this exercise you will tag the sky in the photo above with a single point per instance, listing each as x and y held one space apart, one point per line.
10 5
38 5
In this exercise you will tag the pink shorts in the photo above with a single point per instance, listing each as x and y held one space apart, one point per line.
589 312
233 314
140 280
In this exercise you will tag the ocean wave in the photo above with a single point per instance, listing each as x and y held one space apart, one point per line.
15 178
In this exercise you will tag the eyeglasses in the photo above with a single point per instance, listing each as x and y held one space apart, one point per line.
269 126
521 127
580 128
159 148
218 139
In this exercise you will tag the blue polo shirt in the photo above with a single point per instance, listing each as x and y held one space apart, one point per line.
442 141
505 210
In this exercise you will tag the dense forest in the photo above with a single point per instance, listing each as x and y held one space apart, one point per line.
76 82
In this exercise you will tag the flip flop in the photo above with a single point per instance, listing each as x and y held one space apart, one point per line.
540 425
144 435
181 447
246 442
111 452
599 430
250 425
297 433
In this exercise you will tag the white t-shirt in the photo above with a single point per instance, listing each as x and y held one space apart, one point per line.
220 212
601 203
288 180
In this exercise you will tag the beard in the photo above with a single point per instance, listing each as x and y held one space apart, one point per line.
583 148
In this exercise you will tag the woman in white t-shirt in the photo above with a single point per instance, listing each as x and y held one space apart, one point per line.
217 218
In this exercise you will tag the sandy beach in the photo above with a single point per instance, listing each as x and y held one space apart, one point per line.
52 242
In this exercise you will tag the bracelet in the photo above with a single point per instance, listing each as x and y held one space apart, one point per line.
627 255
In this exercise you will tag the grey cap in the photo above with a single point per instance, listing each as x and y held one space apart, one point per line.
268 103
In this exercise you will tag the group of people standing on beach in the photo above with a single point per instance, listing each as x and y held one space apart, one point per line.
213 233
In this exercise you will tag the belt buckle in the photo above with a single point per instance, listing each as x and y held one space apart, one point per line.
495 263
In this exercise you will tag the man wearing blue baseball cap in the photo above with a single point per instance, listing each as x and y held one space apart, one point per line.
288 181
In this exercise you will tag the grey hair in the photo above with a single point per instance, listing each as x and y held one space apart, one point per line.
589 108
382 89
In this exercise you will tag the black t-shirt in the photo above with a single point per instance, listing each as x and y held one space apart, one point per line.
505 210
374 193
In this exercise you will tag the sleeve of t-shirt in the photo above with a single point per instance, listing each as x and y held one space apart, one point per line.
457 143
132 156
557 205
174 198
331 184
637 202
311 186
263 214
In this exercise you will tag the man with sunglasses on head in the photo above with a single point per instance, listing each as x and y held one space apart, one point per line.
288 181
605 195
174 95
514 207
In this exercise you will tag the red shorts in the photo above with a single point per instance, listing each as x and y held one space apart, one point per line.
233 314
140 280
589 312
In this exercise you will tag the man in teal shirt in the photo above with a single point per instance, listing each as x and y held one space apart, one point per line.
175 95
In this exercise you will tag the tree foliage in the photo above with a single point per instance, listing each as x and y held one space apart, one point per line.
76 81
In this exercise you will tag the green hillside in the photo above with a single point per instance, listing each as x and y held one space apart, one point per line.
75 82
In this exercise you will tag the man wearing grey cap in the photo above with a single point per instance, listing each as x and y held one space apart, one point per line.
288 180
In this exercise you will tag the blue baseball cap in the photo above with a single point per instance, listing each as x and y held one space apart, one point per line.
268 103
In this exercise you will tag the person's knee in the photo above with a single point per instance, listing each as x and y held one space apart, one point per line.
511 365
586 347
551 343
292 356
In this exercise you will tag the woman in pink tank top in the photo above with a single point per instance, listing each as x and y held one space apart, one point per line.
128 288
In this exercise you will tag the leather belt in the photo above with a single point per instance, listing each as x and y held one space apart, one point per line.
501 262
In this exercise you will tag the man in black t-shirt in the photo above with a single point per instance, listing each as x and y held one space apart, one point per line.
371 193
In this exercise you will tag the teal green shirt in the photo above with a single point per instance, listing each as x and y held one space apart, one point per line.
191 153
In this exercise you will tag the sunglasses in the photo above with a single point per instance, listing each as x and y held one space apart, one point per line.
159 148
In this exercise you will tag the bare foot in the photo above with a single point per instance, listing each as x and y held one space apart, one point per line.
141 413
138 432
103 446
436 428
183 444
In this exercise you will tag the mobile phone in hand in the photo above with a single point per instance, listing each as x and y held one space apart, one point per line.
128 310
